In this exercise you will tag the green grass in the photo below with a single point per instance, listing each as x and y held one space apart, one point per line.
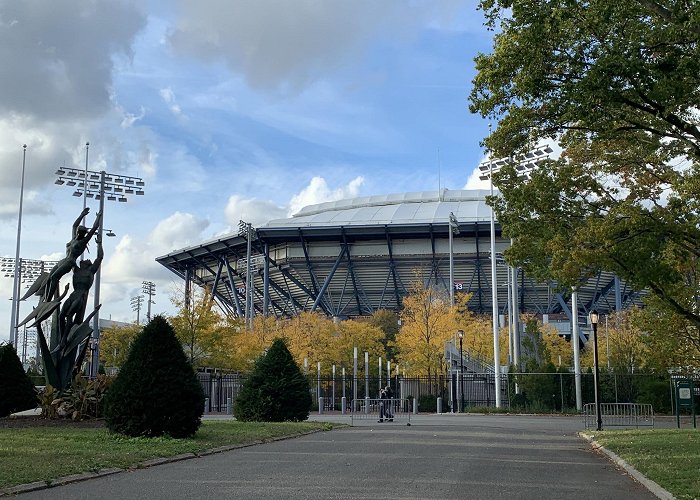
46 453
669 457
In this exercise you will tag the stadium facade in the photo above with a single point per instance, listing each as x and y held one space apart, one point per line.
353 257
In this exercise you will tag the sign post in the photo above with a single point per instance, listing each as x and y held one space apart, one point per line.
685 398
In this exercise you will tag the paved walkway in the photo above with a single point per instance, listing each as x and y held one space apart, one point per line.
439 456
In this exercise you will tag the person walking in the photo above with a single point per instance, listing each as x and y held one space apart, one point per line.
389 404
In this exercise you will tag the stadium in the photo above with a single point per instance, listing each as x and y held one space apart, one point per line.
352 257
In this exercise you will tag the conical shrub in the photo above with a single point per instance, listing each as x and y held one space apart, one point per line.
17 393
276 390
156 391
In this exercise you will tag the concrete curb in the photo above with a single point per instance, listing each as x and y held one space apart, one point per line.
653 487
75 478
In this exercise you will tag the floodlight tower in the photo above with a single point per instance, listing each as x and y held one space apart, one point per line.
97 185
136 303
22 271
149 288
524 165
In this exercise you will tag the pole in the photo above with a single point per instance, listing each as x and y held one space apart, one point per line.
354 378
596 374
494 302
95 364
607 342
18 264
452 271
575 345
366 374
249 281
85 187
461 375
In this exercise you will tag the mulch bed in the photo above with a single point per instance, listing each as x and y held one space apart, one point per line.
36 421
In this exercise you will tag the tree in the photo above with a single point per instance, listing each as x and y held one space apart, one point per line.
115 343
427 322
198 326
156 392
617 83
388 322
17 393
276 390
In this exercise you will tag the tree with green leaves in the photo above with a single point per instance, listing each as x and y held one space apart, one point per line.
618 85
276 390
17 393
156 392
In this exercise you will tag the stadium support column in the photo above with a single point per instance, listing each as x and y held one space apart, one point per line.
575 345
266 281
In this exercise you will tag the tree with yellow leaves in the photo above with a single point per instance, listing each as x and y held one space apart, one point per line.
427 322
115 343
199 328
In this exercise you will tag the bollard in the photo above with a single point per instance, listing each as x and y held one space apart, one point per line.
229 406
343 403
439 405
415 406
367 405
206 405
320 405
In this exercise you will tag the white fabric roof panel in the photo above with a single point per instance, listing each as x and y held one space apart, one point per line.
400 208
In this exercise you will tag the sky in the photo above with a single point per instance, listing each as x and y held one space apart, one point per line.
228 110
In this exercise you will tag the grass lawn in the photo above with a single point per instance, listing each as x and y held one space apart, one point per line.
45 453
669 457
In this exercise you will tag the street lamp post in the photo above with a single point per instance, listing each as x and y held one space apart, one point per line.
593 316
454 229
460 334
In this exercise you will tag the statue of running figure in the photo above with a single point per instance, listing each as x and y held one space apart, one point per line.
74 249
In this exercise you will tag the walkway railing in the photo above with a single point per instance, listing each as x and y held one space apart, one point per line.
619 415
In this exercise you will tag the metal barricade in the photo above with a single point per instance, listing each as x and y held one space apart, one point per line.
619 415
396 410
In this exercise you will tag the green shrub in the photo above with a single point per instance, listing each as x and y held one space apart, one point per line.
427 403
84 399
276 390
156 392
17 393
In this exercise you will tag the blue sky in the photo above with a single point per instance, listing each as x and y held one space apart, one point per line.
229 109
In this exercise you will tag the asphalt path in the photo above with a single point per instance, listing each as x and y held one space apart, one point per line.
438 456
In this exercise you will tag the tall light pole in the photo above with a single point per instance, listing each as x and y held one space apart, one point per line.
460 334
245 230
136 306
524 165
454 229
494 302
98 185
149 289
15 282
593 317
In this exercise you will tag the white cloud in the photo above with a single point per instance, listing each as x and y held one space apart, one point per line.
318 191
169 97
288 45
134 260
47 72
257 212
